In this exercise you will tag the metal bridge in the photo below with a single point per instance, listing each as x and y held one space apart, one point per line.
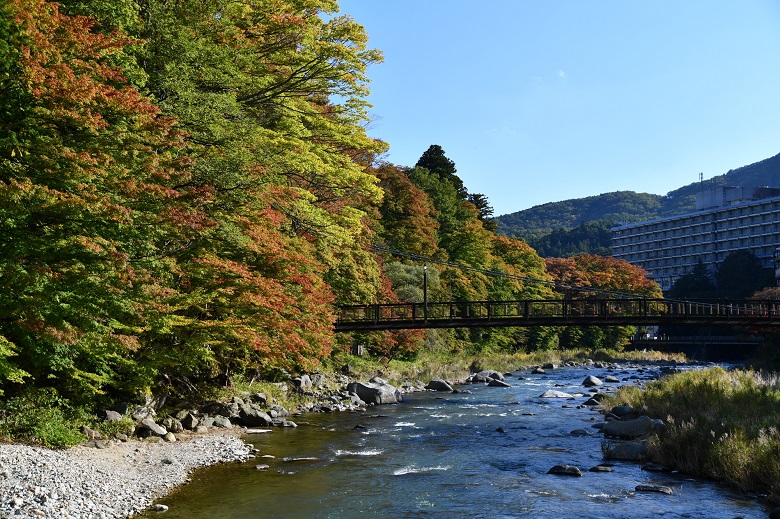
559 312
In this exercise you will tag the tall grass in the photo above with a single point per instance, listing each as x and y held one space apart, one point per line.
720 424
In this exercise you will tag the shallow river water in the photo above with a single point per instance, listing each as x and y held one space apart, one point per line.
441 456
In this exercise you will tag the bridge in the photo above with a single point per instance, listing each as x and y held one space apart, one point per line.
558 312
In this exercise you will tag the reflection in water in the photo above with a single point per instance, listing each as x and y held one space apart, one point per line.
484 454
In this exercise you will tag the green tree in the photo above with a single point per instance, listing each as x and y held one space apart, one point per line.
435 161
484 211
741 274
697 284
86 166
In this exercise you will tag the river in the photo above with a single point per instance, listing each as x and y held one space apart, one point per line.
483 454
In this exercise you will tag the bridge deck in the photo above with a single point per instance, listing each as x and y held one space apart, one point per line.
564 312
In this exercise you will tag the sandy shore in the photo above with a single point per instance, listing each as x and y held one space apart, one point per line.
113 482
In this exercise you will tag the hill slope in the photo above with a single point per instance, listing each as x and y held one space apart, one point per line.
539 221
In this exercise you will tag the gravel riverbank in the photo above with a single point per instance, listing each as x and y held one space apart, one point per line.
113 482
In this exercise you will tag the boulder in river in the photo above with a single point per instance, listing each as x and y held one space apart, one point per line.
376 391
438 385
485 375
591 381
497 383
630 428
621 410
654 488
565 470
628 451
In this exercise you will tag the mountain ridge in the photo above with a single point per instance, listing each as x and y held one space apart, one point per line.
540 221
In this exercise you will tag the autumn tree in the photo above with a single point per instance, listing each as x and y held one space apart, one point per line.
603 275
408 218
87 167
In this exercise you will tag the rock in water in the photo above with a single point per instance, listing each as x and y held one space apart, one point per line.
630 451
377 391
591 381
565 470
438 385
630 428
654 488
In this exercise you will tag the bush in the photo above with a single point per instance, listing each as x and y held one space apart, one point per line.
42 417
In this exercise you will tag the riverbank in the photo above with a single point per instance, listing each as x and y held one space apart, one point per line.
719 424
116 481
125 477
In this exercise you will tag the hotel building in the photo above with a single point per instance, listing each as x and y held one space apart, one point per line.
726 219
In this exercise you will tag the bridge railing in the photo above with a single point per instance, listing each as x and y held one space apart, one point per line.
565 311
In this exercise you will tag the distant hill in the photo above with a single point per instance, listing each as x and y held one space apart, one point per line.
562 222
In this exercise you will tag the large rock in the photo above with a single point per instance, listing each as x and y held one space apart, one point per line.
621 410
438 385
591 381
485 375
497 383
654 488
376 391
628 451
190 421
630 428
565 470
303 382
252 416
155 428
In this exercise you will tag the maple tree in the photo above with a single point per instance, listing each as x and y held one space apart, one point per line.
81 147
602 274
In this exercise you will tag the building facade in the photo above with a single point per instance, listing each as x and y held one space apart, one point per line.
726 220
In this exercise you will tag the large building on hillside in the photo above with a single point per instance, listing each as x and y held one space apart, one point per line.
726 219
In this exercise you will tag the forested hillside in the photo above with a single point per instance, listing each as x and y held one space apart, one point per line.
556 221
187 192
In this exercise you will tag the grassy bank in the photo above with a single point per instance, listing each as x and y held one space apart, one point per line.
720 424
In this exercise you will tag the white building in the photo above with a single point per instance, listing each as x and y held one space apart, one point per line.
727 219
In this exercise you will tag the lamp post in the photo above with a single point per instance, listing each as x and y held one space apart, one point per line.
425 292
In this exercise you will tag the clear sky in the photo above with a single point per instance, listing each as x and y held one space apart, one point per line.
544 100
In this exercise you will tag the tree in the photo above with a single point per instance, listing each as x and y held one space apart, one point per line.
87 166
435 161
484 211
408 217
697 284
741 274
602 274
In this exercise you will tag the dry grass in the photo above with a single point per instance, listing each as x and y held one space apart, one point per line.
720 424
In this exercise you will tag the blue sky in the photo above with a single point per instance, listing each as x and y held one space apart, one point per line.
545 100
